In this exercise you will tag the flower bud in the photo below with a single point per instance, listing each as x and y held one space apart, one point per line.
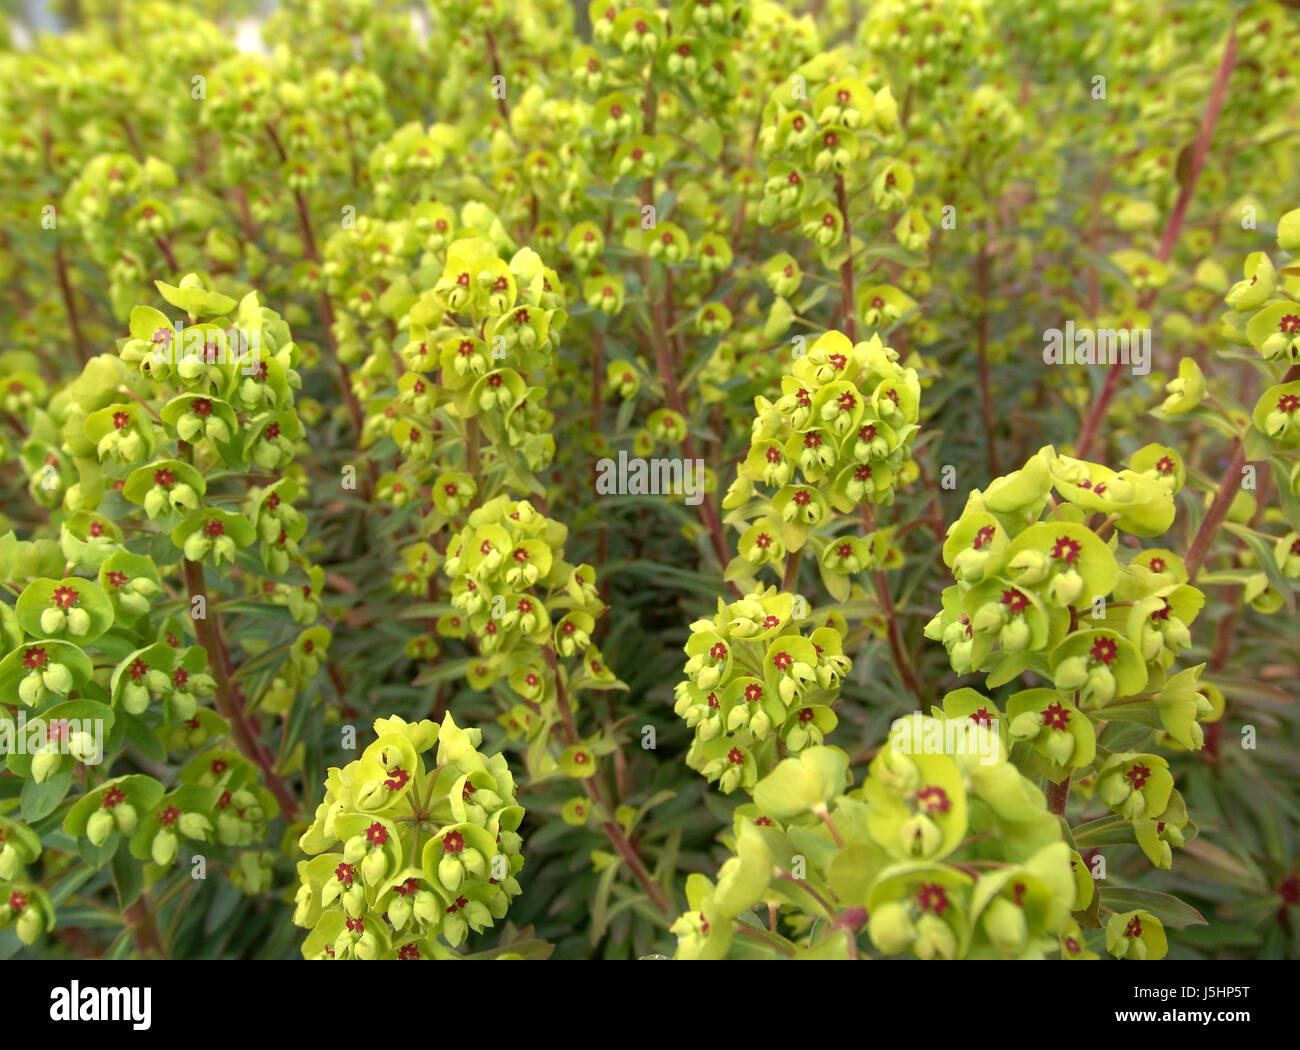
426 907
1102 685
99 827
30 925
57 678
81 746
194 826
10 863
1114 789
1071 673
43 765
934 937
78 622
135 698
183 497
355 848
1060 746
163 848
399 912
374 866
1005 925
154 501
31 690
1067 587
52 620
988 618
451 873
354 900
229 829
890 928
1026 726
1015 635
184 705
367 947
1029 567
126 818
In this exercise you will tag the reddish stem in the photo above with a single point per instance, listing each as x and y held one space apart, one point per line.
228 698
1200 149
1218 511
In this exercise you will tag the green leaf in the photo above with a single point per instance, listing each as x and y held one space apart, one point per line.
40 800
1169 910
128 877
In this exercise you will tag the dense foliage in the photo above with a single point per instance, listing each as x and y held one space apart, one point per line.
501 480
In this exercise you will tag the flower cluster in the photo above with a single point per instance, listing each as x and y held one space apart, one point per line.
757 687
1040 590
941 856
836 441
403 853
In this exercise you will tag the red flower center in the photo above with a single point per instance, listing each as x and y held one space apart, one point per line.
1138 776
1066 550
1105 650
932 897
1055 716
1015 601
933 799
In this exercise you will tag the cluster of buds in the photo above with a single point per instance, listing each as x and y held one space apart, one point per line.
1039 589
819 129
121 206
933 44
756 684
1265 315
914 813
162 674
837 439
23 905
512 591
402 853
